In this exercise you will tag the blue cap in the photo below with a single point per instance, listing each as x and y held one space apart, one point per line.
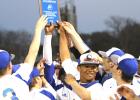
111 51
127 63
117 52
35 73
5 59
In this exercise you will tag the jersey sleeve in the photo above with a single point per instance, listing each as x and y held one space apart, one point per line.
49 72
47 49
69 67
24 71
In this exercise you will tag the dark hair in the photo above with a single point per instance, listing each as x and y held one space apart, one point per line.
138 68
126 78
3 71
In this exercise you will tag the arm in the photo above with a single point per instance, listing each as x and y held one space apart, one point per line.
63 43
47 48
27 66
78 42
78 89
49 72
47 54
34 47
64 52
72 48
127 93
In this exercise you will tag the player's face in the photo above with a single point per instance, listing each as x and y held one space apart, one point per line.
114 69
87 73
107 64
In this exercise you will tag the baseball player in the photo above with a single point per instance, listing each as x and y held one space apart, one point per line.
40 89
88 67
14 86
106 79
126 67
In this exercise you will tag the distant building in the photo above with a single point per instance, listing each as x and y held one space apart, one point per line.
68 12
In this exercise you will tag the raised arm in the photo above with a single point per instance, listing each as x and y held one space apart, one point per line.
47 47
63 44
78 42
47 54
64 52
34 47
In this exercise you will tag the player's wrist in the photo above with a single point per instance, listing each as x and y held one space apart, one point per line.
38 30
73 33
72 82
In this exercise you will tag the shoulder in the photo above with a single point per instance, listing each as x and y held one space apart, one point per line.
105 77
110 83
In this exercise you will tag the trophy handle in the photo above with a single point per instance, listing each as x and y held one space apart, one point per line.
59 10
40 7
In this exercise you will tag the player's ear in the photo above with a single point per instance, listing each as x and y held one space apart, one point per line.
9 66
119 71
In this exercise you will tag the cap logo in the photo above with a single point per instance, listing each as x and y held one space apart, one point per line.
89 57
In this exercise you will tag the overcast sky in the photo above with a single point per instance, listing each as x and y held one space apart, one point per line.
91 14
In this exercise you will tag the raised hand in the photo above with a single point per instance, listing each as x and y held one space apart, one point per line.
127 93
42 21
61 28
49 29
68 27
34 47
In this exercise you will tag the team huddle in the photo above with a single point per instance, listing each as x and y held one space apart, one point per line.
106 75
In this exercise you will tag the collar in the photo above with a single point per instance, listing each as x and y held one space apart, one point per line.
86 85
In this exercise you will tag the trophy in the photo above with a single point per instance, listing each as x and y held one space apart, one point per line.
51 9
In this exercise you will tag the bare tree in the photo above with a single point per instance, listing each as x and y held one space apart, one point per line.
15 42
116 24
127 31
